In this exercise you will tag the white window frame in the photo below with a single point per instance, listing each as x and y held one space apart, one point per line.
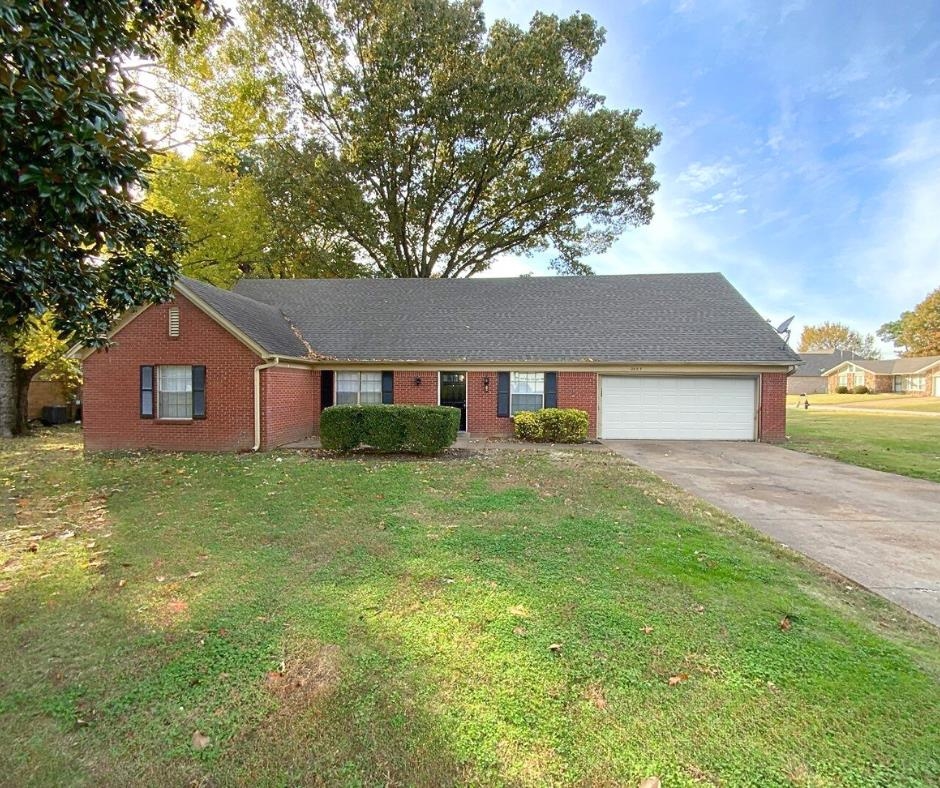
359 392
513 377
844 379
159 391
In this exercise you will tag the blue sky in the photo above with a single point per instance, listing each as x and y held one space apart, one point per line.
801 146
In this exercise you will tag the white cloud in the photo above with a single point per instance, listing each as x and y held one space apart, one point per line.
894 98
922 144
699 177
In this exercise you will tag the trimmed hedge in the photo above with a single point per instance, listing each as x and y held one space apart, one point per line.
389 428
551 425
842 390
861 390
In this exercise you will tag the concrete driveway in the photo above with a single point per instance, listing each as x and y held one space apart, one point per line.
878 529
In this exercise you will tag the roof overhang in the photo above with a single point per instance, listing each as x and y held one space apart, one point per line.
82 352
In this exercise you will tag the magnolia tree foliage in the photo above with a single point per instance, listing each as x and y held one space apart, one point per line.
916 332
419 142
74 241
827 337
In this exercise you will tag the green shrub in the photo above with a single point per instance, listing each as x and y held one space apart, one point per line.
389 428
861 390
842 390
552 425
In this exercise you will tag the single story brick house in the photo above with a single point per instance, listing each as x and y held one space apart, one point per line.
681 356
915 375
810 375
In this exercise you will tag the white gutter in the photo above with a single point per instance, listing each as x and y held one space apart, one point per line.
258 368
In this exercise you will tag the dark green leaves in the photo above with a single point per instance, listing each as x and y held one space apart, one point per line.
73 238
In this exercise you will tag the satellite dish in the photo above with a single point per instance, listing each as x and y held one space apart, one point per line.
784 329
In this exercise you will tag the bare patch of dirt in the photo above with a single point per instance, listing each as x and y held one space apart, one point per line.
594 693
306 678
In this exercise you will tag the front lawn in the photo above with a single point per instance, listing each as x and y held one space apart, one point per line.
905 402
512 618
898 444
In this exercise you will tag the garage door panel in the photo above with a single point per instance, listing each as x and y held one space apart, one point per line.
678 408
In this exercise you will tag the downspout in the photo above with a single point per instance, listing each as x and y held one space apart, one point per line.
258 368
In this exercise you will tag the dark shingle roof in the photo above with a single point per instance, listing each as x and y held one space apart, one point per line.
815 364
650 318
263 323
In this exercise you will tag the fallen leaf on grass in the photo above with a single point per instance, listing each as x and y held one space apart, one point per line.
651 782
193 574
678 679
555 648
121 583
785 624
646 630
200 741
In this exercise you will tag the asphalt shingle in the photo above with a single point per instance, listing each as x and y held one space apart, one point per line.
648 318
264 323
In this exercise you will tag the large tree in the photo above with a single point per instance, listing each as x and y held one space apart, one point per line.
74 240
916 332
827 337
425 143
237 225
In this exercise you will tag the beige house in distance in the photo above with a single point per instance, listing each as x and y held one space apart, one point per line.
916 375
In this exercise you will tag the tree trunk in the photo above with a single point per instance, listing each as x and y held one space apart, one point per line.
14 394
8 393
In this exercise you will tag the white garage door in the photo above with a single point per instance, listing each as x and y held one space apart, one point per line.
678 408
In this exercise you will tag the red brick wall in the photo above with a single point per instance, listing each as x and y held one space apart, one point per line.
575 390
481 407
877 384
773 407
290 405
111 393
579 390
407 393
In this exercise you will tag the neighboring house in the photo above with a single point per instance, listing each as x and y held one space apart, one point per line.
810 376
916 375
650 356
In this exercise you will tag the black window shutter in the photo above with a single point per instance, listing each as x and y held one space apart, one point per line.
551 389
326 388
502 394
146 392
199 392
388 388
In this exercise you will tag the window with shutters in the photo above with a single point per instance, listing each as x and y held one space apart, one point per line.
174 392
526 392
358 388
174 327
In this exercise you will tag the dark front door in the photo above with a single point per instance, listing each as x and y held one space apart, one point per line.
454 394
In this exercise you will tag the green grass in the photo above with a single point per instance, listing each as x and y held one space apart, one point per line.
904 402
898 444
368 622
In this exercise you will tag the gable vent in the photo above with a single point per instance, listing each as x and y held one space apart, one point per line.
174 321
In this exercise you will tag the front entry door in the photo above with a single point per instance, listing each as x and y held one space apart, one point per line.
454 394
